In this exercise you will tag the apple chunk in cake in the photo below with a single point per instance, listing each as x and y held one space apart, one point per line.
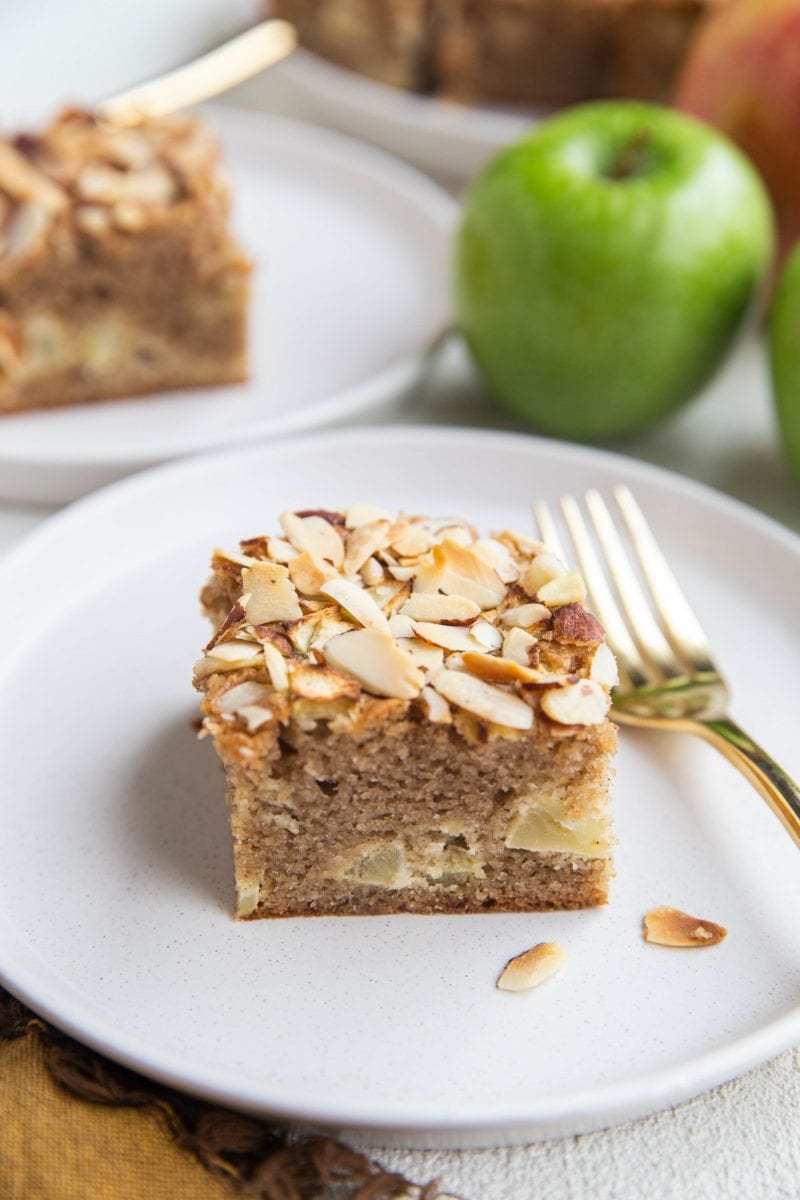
412 718
118 274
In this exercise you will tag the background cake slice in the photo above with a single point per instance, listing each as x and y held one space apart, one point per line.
118 274
411 719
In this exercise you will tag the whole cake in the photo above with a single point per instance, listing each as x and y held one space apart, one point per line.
118 274
534 52
411 718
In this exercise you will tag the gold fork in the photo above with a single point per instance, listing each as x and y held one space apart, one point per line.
668 678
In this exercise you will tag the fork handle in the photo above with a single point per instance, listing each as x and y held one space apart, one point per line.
778 789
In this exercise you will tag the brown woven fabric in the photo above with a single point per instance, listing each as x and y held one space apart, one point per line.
73 1124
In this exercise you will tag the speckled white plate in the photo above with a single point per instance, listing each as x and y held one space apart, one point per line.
351 253
115 877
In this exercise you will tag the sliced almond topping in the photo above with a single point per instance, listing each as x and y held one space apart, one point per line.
228 656
280 550
498 670
249 692
581 703
603 667
365 514
516 644
233 556
498 556
22 180
575 624
567 589
362 543
301 632
532 967
422 654
522 542
464 573
667 926
308 574
395 598
431 606
358 603
323 684
400 626
437 707
372 572
376 661
426 578
331 622
486 635
485 701
254 716
525 615
542 570
451 637
272 594
315 536
276 666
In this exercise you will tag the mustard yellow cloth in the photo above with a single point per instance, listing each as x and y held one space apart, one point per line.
74 1126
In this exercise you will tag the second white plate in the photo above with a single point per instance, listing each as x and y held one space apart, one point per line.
115 873
350 286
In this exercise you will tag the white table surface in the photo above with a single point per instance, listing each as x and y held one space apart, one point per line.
741 1140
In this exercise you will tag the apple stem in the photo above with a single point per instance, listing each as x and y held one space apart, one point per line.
631 160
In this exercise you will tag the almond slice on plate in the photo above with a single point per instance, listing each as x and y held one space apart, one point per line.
530 968
667 926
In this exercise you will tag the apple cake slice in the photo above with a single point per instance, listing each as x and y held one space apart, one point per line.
412 718
118 275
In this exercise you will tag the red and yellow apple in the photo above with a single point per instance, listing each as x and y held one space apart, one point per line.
742 75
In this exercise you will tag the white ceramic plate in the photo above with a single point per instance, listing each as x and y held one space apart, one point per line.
452 140
351 284
115 878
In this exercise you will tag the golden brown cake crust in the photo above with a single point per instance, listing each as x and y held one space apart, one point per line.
411 719
118 275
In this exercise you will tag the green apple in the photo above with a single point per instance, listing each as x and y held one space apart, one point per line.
784 337
604 265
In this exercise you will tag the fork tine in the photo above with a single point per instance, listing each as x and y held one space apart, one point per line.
548 530
605 606
679 620
646 631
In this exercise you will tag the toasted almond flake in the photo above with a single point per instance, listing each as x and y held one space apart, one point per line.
377 662
516 644
422 654
315 536
667 926
249 692
431 606
486 635
426 578
524 544
451 637
357 603
437 707
485 701
464 573
323 684
301 632
532 967
498 670
603 667
498 556
372 572
276 666
280 550
567 589
393 599
361 543
233 556
308 574
364 514
401 626
272 595
254 716
331 622
544 568
524 616
412 542
581 703
401 573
